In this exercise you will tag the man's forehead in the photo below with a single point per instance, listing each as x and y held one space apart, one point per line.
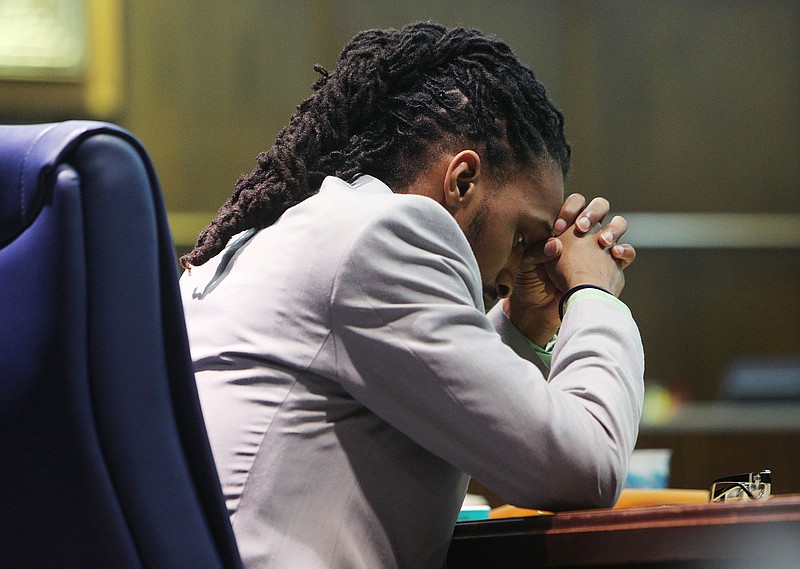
546 188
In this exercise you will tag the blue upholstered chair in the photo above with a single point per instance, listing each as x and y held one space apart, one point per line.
104 459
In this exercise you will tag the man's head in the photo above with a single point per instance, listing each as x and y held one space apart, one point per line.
396 103
501 216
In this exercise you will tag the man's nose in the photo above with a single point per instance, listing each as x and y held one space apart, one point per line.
507 277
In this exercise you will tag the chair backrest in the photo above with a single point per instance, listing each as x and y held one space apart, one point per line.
105 458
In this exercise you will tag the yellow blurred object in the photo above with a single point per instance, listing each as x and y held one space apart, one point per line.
647 497
629 498
509 511
661 403
104 73
62 58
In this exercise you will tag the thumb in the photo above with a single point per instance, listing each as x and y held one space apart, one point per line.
542 253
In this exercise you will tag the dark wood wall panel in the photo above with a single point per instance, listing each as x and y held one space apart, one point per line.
700 309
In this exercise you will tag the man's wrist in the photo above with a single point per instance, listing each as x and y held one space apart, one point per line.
562 304
589 293
539 327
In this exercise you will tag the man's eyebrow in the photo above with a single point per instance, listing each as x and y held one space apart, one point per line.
544 223
534 222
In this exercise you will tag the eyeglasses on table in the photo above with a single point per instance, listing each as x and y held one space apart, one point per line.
742 487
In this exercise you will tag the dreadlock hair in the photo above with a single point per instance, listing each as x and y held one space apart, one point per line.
394 98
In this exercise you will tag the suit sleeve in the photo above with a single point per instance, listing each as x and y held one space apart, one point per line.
414 346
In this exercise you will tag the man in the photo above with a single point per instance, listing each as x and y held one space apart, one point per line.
349 375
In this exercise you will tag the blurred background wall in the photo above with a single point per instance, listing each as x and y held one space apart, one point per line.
685 114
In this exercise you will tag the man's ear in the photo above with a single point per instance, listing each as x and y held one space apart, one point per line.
463 173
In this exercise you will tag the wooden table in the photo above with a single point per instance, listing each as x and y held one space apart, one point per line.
741 535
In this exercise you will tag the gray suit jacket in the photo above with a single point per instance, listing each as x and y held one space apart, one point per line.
351 381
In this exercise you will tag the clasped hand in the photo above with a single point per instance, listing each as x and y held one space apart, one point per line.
581 251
